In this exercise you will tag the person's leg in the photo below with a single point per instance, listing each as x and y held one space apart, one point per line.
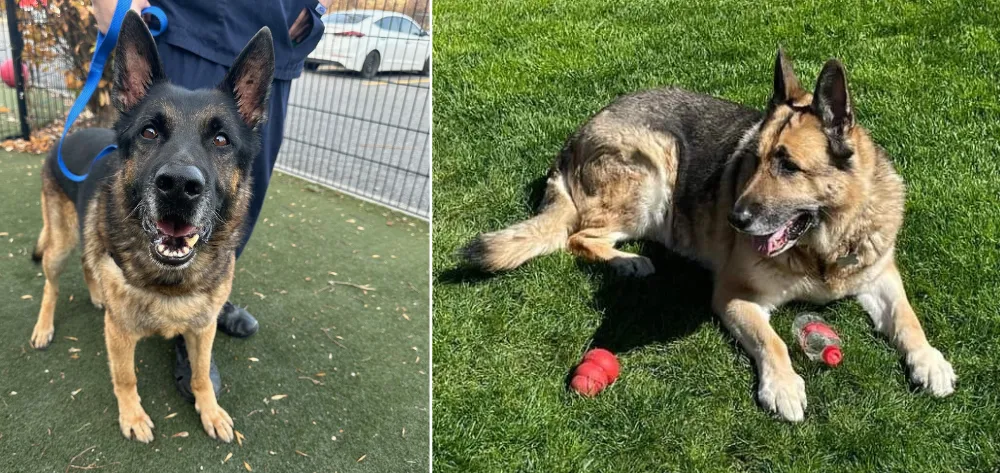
271 136
235 321
187 69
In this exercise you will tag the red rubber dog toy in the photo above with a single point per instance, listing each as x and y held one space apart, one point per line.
598 370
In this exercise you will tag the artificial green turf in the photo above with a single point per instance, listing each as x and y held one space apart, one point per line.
374 352
512 82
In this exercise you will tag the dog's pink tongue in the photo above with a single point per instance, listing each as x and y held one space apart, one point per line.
174 230
769 244
762 243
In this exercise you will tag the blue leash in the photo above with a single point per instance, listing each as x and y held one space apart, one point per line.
102 50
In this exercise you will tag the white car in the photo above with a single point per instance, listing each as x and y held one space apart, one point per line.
372 41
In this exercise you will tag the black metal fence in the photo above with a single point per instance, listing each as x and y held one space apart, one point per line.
358 118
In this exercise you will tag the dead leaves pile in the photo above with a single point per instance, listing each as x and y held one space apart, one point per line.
42 139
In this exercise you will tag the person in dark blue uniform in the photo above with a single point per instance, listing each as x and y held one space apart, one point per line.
197 48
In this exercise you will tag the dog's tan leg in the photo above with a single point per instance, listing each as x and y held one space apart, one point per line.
781 390
214 418
132 417
96 297
59 238
43 236
885 301
598 244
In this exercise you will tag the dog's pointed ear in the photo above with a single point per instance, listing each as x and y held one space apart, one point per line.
786 84
832 100
137 65
249 80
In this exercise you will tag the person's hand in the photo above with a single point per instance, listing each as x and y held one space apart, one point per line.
302 26
104 11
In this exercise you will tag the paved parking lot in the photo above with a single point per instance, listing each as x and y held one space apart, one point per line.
367 137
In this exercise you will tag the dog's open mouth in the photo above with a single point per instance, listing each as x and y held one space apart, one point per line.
775 243
175 240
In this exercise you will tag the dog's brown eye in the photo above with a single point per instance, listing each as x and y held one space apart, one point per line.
221 140
149 133
785 163
788 167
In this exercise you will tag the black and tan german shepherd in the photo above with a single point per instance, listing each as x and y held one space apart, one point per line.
160 218
793 203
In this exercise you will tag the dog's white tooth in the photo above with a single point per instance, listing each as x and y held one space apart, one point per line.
191 240
161 248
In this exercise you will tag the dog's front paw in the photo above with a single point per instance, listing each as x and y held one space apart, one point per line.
930 371
633 266
783 394
217 423
42 335
135 424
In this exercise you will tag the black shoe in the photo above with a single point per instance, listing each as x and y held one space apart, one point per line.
182 372
237 322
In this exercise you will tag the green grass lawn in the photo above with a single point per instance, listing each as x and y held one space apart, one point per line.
354 364
512 83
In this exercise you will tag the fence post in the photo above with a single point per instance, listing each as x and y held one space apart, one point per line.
17 50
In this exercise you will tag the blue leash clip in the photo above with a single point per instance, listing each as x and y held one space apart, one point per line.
102 50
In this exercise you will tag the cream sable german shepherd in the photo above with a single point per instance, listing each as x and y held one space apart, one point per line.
795 203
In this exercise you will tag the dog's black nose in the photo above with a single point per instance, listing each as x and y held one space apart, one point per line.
742 216
180 181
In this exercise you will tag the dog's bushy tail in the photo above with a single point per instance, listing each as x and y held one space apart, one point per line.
542 234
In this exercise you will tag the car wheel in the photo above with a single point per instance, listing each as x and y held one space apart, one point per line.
426 71
312 66
370 67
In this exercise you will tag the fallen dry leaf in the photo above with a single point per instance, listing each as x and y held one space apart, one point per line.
247 466
179 434
228 457
253 359
74 350
26 297
72 338
171 415
362 457
239 437
278 397
302 453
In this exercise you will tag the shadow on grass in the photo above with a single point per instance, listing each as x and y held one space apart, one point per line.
667 305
